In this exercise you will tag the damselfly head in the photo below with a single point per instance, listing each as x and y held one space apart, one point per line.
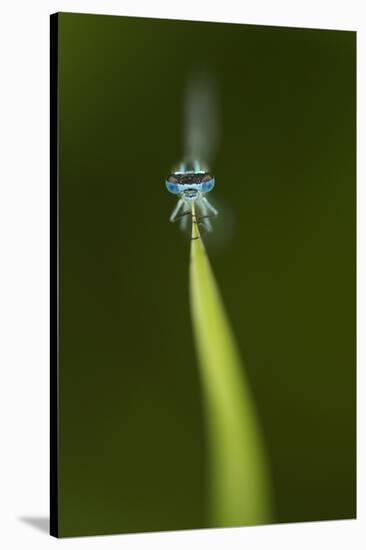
189 182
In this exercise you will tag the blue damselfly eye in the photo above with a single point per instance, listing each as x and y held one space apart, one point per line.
208 185
172 184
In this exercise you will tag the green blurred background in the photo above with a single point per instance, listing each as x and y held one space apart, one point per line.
132 442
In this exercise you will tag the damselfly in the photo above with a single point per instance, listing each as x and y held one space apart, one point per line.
191 182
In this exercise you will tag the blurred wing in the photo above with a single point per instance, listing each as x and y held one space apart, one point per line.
223 224
201 118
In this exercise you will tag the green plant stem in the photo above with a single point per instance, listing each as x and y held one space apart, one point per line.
238 480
